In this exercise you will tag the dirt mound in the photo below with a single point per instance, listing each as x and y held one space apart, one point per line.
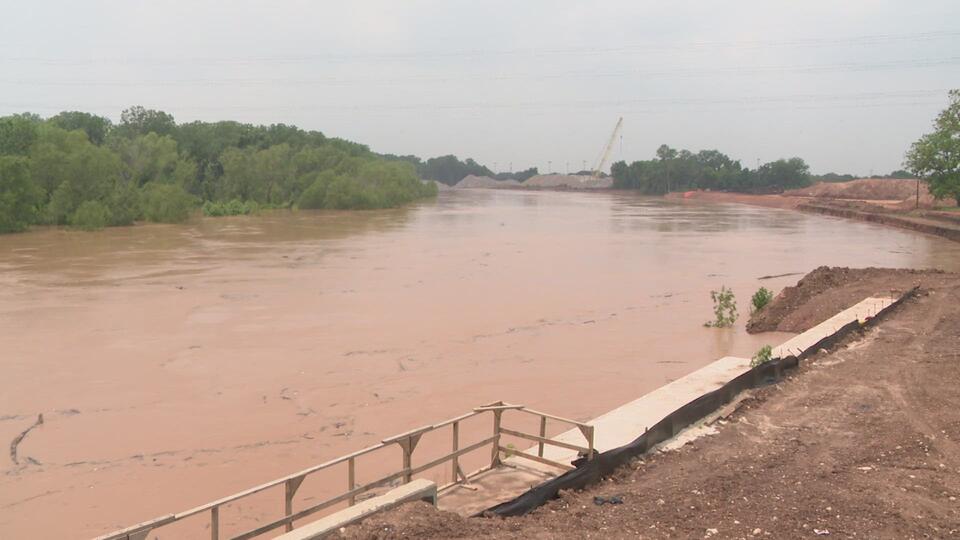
485 182
870 189
827 291
571 181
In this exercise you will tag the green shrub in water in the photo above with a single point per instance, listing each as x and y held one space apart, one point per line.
724 308
760 299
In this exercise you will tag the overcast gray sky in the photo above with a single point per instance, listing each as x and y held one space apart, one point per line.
845 85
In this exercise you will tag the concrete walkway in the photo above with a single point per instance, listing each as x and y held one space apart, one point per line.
627 422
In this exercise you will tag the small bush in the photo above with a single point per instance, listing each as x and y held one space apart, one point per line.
166 203
724 308
234 207
91 216
762 357
760 299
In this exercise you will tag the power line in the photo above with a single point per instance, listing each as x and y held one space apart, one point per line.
340 81
865 40
839 100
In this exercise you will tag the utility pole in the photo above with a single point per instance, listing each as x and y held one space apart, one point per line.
584 165
568 167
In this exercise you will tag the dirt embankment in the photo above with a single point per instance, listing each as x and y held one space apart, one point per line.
815 298
860 442
891 202
870 189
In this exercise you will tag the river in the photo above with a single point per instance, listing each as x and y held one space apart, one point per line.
175 364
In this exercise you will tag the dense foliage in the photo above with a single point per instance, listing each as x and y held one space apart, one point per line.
82 170
450 170
682 170
936 156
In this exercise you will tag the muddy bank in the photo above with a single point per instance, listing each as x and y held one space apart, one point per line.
815 298
892 213
942 228
860 442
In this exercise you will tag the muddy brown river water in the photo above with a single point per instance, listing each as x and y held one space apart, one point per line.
177 364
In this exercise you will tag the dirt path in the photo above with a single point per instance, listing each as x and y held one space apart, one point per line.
860 442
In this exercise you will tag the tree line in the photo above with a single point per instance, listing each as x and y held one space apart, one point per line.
682 170
450 169
82 170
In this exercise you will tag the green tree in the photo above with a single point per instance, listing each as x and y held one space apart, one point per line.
19 196
91 174
149 158
138 120
935 157
167 203
51 154
17 133
96 127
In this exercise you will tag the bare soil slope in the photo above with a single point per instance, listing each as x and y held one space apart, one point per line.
860 442
884 189
815 298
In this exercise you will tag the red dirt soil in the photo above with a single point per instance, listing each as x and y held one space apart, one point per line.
862 441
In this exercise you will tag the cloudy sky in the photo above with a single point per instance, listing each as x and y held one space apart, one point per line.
845 85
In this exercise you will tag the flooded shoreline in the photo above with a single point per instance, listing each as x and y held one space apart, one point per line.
177 364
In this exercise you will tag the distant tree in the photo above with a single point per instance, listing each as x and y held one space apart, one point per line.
784 174
17 133
96 127
665 153
519 176
138 120
832 177
935 157
19 196
450 170
902 175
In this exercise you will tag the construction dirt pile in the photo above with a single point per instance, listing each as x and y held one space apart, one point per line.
568 181
862 441
815 297
868 189
485 182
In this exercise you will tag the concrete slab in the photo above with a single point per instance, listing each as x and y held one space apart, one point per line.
627 422
862 311
417 490
492 487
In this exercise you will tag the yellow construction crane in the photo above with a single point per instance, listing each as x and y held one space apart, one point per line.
605 153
